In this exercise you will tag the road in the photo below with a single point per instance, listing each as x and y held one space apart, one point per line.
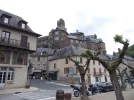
47 91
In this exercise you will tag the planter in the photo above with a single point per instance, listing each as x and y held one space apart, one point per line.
27 86
67 96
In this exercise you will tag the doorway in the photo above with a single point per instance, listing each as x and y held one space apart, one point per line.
2 78
24 41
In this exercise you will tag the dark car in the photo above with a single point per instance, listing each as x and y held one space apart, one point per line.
105 86
132 80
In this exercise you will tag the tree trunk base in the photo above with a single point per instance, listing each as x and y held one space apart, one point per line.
84 98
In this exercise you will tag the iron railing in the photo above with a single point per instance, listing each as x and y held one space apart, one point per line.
13 42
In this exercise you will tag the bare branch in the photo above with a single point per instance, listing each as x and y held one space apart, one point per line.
127 65
115 64
87 63
124 50
76 62
102 62
123 71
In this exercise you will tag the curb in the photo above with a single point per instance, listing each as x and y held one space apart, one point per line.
17 91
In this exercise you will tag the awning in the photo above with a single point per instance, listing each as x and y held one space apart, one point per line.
36 70
51 71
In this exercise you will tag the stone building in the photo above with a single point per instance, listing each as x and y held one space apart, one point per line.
40 61
61 68
17 42
60 38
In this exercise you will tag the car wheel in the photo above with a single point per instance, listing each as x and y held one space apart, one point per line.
76 93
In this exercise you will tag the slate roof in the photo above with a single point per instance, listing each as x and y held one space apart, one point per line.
91 38
14 23
71 50
44 52
129 58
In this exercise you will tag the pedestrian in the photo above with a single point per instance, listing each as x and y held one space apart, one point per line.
91 88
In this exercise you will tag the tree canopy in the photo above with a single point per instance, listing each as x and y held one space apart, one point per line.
130 51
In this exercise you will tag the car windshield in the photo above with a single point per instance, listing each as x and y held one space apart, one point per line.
102 83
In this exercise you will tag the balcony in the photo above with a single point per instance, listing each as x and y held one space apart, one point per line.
14 43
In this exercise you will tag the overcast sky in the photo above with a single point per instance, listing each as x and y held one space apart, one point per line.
102 17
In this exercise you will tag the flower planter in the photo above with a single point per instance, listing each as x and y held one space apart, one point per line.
27 86
67 96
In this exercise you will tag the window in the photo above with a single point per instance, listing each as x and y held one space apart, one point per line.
23 25
98 62
6 20
97 79
104 70
66 60
38 58
56 33
66 70
81 60
76 41
56 38
44 65
33 58
95 71
72 41
54 65
10 74
5 36
5 57
94 62
76 70
100 71
105 78
20 58
38 66
88 70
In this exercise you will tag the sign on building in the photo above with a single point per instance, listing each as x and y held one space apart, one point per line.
71 70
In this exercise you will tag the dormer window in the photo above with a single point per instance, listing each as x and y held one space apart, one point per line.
6 20
23 25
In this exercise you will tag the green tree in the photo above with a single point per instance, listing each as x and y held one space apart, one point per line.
130 51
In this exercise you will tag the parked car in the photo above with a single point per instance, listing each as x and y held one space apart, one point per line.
94 89
105 86
132 80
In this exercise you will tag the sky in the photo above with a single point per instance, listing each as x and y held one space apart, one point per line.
105 18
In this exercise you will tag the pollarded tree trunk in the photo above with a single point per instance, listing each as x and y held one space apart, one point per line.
117 89
83 83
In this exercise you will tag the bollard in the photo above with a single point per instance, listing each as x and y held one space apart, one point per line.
60 95
68 96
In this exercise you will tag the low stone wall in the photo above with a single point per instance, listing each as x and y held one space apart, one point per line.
69 79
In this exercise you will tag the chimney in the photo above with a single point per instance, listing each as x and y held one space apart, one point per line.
77 31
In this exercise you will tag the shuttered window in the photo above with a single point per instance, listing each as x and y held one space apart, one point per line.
95 71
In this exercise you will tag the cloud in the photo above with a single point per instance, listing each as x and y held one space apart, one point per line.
102 17
95 25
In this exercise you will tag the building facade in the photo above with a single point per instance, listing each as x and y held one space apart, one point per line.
61 68
40 61
17 42
59 38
